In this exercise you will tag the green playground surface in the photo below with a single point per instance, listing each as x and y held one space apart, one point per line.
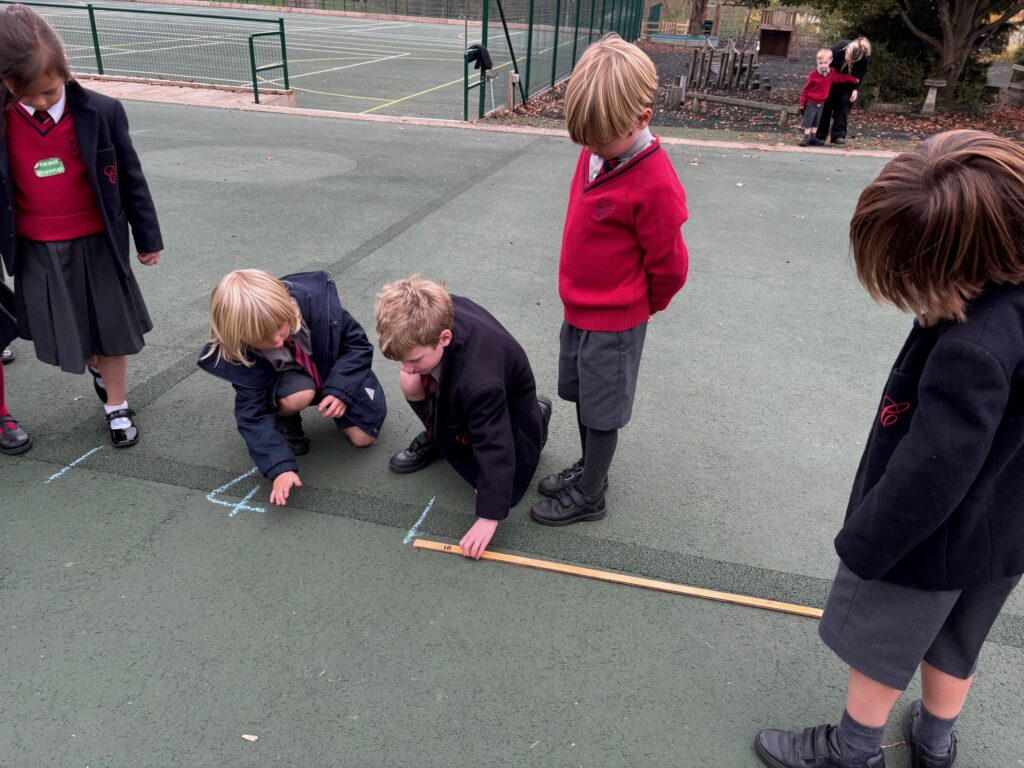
154 608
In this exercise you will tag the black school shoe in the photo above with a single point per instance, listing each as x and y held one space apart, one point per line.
572 505
814 747
552 485
545 418
98 387
122 438
421 452
291 428
13 439
7 356
922 757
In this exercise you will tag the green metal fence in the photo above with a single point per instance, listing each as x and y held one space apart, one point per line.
171 45
541 40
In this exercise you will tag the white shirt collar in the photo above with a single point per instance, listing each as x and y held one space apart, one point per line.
56 111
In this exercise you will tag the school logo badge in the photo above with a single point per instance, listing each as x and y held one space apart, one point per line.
111 173
73 145
891 411
604 209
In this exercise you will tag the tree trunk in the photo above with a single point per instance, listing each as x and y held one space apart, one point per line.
697 13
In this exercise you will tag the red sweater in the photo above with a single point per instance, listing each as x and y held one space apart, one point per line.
52 195
623 256
816 89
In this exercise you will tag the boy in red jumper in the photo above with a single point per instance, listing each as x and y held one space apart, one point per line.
623 259
812 97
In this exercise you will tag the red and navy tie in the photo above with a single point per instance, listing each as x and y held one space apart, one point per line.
42 116
305 361
609 165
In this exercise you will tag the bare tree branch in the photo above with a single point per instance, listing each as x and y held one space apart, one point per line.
905 13
1010 12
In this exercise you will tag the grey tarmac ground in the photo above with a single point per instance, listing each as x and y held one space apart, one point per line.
148 621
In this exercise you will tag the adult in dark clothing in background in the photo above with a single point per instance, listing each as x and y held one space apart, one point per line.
849 57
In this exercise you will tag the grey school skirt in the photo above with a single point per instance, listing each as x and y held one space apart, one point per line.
74 302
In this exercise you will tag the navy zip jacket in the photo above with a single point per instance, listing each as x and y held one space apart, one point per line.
486 422
123 198
938 500
342 355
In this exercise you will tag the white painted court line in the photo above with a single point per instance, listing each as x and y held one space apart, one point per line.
81 458
347 66
415 529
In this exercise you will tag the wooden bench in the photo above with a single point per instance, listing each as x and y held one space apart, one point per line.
784 110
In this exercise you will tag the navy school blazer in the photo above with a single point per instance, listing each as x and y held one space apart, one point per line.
115 175
340 348
486 420
938 500
8 323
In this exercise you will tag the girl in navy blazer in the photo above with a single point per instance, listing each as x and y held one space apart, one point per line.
933 541
70 185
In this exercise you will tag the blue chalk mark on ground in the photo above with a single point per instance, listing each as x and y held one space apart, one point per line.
80 459
415 529
236 507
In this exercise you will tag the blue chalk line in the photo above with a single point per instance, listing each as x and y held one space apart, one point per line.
241 506
415 529
81 458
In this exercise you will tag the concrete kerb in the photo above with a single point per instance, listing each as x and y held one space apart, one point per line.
193 95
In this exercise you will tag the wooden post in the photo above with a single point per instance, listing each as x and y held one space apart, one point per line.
933 92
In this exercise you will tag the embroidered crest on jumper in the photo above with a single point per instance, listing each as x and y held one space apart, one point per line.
604 209
52 166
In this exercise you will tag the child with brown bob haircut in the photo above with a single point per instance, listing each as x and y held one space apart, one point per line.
471 385
933 541
286 345
623 259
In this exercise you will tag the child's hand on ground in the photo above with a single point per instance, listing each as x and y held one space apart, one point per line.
283 485
332 408
149 259
478 537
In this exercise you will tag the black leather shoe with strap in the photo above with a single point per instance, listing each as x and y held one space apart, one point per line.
122 437
814 747
97 384
13 439
921 756
7 356
421 452
568 507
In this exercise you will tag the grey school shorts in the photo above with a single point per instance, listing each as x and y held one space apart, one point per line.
812 114
367 412
884 630
598 370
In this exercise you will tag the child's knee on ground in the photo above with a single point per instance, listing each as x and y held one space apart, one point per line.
295 402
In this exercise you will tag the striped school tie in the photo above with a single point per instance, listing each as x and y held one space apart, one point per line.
305 361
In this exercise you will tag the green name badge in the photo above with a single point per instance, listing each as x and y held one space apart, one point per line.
53 166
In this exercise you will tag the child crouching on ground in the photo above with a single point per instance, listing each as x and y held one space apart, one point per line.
286 345
815 92
623 259
933 541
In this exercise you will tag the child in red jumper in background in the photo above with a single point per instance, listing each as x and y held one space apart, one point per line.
70 186
623 259
815 92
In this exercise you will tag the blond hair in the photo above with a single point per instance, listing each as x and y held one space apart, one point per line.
248 306
412 313
614 81
858 49
941 223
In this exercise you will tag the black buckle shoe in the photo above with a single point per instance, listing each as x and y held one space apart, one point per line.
7 356
814 747
122 438
544 403
552 485
291 428
920 756
421 452
97 385
568 507
13 439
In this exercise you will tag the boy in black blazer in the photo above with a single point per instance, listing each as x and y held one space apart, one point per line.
933 541
472 386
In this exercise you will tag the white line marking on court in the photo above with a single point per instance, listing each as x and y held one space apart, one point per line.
415 529
241 506
347 66
81 458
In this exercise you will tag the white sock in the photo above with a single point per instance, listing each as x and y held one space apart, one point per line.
121 423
